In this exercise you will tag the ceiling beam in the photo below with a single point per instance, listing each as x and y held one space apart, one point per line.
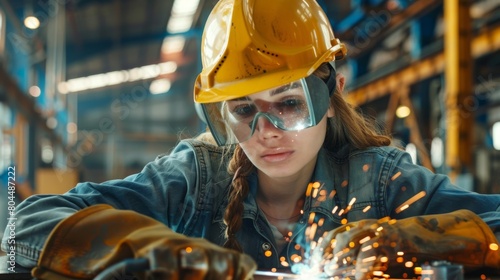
396 21
487 41
91 49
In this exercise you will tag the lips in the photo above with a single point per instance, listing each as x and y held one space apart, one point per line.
277 156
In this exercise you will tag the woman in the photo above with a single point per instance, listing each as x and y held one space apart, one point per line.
296 177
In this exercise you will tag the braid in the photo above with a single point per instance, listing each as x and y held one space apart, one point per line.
241 167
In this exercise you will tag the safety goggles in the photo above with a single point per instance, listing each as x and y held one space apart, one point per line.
290 107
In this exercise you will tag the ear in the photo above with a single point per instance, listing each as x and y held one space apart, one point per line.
340 88
340 82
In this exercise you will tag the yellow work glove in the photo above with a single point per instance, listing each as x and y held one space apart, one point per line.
93 239
397 248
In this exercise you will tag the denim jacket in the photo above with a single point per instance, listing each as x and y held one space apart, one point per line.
187 190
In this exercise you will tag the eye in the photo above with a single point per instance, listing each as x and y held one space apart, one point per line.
243 111
291 103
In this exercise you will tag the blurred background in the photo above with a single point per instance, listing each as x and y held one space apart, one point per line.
92 90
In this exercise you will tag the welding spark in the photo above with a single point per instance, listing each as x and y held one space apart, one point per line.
332 194
365 239
366 248
315 193
322 196
366 167
403 207
311 217
312 231
352 201
410 201
369 259
304 265
395 176
309 189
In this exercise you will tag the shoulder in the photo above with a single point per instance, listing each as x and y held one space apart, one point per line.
387 157
201 156
199 148
383 152
206 150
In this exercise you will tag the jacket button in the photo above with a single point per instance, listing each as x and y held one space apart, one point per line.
266 246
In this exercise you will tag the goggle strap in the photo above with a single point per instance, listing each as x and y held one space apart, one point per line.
221 141
320 100
331 82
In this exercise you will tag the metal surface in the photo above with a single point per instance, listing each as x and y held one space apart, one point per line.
443 271
24 274
268 275
265 275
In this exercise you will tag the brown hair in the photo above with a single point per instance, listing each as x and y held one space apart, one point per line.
347 127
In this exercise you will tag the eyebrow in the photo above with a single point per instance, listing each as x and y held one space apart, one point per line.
280 89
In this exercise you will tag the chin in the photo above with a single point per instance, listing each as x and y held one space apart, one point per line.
281 171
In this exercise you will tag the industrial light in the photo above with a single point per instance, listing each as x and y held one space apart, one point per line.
31 22
159 86
412 150
71 128
495 132
51 122
47 154
437 152
117 77
173 44
181 18
403 112
179 24
35 91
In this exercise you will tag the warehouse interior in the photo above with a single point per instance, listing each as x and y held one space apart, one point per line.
92 90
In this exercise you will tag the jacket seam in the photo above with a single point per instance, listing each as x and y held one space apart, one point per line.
391 158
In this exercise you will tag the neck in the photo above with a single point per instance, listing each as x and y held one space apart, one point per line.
286 213
283 191
282 199
282 204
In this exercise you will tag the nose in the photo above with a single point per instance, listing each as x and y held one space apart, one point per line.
265 128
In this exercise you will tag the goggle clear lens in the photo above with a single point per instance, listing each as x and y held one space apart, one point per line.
291 107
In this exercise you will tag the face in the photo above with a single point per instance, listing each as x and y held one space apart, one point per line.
285 154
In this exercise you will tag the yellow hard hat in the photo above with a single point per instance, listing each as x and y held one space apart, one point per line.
252 45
